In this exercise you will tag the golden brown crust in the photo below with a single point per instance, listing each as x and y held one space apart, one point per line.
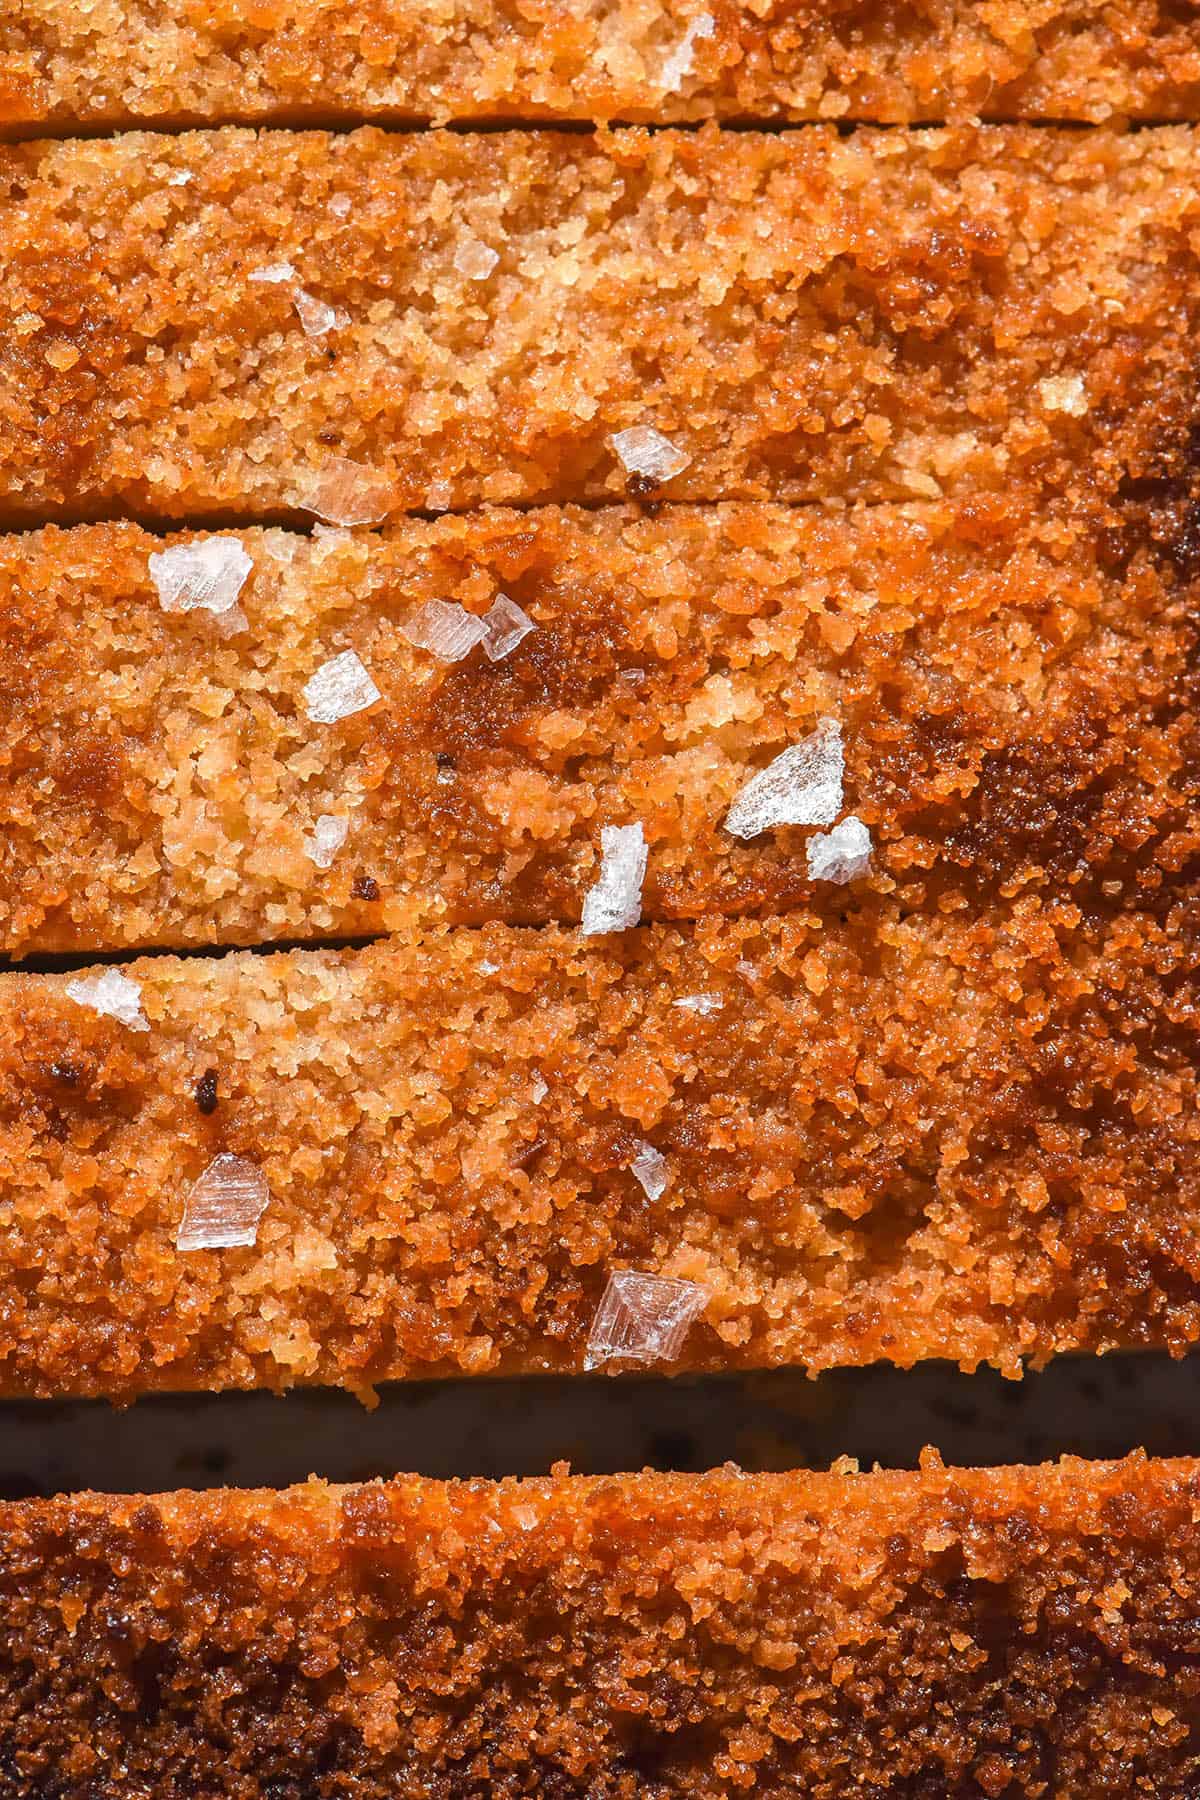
120 62
889 1138
1019 715
806 315
1014 1634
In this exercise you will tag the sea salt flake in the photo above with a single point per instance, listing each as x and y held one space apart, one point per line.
339 206
209 573
326 839
1065 394
274 273
644 451
841 854
475 260
681 59
803 786
316 318
643 1318
650 1168
340 687
343 492
444 628
614 901
231 622
505 625
538 1088
114 995
224 1206
699 1003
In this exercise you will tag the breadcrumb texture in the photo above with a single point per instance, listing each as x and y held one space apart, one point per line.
803 315
121 62
893 1137
1018 704
1007 1634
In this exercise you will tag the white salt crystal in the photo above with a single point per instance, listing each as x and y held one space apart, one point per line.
505 624
803 786
650 1168
346 493
1065 394
680 61
445 628
642 1318
339 206
614 902
273 273
328 836
841 854
340 687
538 1089
475 260
699 1003
316 318
487 967
112 994
209 573
180 178
644 451
231 622
224 1206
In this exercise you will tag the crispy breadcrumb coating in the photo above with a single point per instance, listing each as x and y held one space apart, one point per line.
881 1137
801 315
1018 1633
1017 706
120 62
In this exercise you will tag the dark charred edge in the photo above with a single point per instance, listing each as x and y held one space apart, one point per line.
67 962
861 910
491 1427
296 519
1158 510
14 523
340 122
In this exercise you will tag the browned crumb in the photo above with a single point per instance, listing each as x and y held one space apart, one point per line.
1006 1634
965 1136
804 315
206 1095
117 62
1018 706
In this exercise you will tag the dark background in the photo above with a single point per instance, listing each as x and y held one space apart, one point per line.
1081 1406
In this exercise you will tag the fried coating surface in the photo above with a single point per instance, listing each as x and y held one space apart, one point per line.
128 62
884 1137
122 62
804 316
1021 1632
1018 710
